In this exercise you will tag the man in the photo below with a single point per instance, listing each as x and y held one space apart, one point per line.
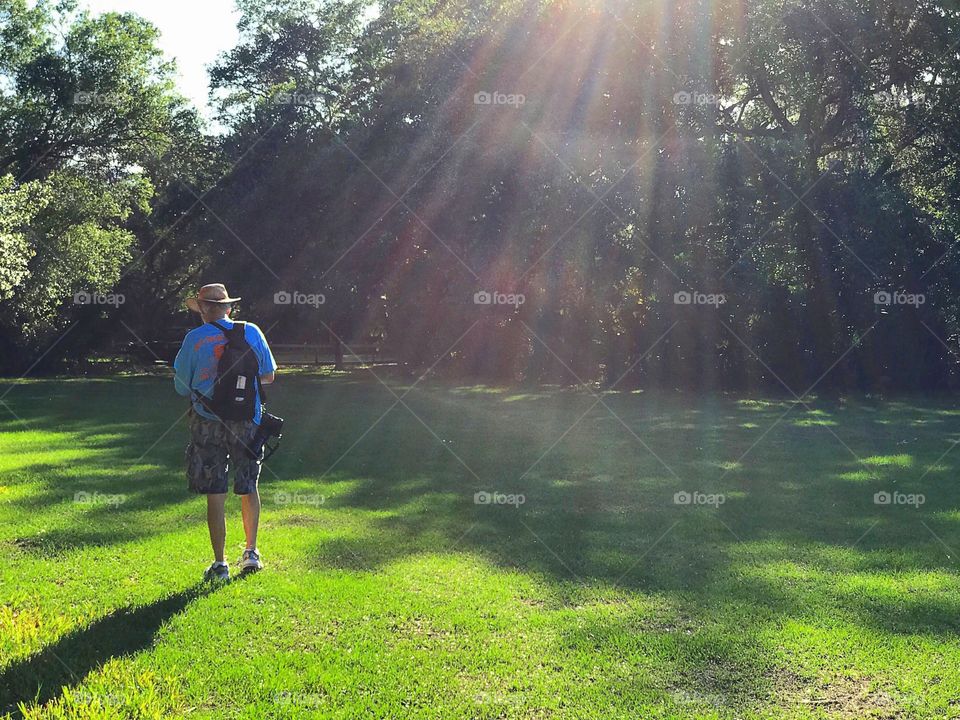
217 445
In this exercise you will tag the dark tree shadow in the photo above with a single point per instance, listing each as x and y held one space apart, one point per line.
799 483
42 677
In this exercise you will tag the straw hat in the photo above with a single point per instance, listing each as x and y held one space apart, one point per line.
214 293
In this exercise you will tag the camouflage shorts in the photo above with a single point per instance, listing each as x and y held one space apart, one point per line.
214 449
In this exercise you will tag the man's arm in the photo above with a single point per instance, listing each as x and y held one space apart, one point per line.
183 370
268 366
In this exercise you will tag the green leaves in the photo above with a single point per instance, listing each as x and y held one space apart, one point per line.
90 121
18 206
296 66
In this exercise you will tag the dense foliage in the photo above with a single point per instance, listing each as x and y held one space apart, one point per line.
687 194
86 108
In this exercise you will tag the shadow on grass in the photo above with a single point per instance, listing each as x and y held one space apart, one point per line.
93 443
43 677
799 487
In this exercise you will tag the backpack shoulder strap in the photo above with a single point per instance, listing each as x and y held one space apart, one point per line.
240 332
239 329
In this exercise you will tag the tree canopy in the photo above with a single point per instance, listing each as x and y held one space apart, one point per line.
688 194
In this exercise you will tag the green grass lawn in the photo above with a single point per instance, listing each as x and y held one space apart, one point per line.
389 592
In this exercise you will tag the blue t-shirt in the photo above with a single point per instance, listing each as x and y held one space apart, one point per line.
196 363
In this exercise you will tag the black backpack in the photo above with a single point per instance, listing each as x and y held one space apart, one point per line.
238 376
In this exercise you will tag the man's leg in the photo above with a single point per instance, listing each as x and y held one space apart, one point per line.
206 458
245 485
250 508
216 522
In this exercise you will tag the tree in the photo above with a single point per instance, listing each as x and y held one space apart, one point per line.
85 104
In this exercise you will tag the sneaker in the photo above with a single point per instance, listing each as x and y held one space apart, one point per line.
217 572
250 562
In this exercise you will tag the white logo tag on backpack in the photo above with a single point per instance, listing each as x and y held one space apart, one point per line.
241 382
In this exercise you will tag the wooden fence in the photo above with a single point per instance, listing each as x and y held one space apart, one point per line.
285 353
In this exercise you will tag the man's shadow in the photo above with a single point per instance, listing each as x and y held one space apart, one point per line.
42 677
